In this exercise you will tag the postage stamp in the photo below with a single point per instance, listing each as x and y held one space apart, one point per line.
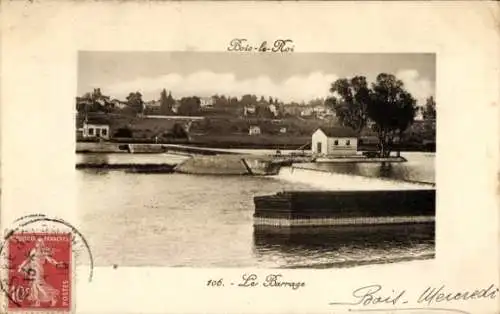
39 271
39 256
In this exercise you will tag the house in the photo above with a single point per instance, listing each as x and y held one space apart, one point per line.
249 110
95 128
307 112
419 114
118 103
153 104
254 130
273 109
206 102
175 107
334 141
283 130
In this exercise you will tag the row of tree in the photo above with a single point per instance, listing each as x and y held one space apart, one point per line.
134 104
385 103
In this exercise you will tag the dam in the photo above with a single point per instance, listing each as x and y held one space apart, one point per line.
341 199
344 208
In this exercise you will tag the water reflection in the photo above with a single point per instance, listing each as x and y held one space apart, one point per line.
344 246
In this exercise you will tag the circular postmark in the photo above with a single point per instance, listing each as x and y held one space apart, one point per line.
38 257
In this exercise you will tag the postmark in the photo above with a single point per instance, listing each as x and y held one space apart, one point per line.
39 255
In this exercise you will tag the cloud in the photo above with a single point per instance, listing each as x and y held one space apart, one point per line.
419 87
295 88
206 83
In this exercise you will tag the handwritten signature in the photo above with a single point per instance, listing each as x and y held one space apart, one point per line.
375 295
279 46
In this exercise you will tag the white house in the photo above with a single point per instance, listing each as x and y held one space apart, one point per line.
419 114
254 130
206 102
306 112
273 110
153 104
96 128
249 110
334 141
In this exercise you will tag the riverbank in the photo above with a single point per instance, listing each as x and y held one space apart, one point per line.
243 142
211 164
134 168
363 159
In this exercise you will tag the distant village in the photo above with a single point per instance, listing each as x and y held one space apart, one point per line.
248 121
245 106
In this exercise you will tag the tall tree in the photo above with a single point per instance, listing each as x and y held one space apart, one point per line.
429 115
170 102
247 100
386 103
134 101
392 108
167 102
164 109
429 112
350 101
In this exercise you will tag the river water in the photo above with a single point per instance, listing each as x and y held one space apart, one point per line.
173 220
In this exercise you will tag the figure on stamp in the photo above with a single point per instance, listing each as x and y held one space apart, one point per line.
33 267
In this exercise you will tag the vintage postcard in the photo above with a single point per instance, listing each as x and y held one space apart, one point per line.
228 157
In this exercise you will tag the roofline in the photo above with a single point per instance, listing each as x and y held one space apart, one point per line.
342 136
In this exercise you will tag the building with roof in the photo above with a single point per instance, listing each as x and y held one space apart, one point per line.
206 102
254 130
334 141
249 110
94 127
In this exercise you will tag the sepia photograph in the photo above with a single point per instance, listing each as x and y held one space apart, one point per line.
227 159
268 157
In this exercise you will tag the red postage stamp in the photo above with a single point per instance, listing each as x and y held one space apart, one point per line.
39 271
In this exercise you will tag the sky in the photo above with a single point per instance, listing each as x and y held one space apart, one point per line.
288 77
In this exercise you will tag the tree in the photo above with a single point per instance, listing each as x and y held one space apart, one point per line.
429 112
189 106
248 100
134 101
170 102
164 108
178 131
392 108
350 102
220 101
429 115
386 103
167 102
263 112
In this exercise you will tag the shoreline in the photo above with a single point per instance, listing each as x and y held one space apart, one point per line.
154 148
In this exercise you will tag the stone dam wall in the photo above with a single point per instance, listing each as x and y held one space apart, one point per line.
317 208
